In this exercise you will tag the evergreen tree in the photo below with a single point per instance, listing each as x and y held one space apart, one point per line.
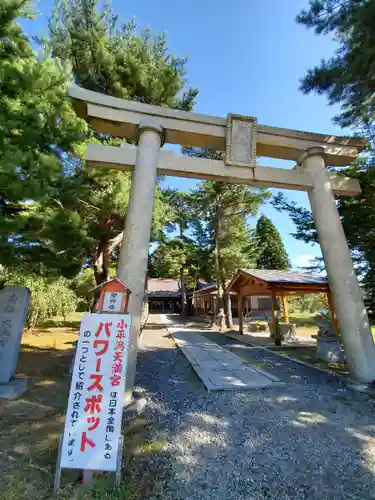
221 227
180 257
38 127
271 250
178 251
169 259
347 78
358 219
80 222
116 61
112 58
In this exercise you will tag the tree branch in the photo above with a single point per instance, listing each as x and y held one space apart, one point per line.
115 242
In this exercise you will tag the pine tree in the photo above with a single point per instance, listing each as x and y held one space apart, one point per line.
271 250
181 247
37 128
81 221
347 78
112 58
181 256
222 210
116 61
358 219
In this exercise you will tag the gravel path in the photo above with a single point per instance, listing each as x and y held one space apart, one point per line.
311 439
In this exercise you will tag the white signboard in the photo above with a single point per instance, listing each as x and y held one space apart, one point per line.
93 419
113 301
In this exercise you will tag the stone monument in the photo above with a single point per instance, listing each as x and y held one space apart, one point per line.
328 347
14 302
288 331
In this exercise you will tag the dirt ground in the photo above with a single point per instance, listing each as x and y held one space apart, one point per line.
30 426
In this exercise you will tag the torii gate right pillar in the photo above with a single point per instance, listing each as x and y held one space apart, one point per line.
346 293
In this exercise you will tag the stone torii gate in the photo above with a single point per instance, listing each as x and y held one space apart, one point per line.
243 140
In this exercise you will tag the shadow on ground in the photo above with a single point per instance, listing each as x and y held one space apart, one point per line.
309 439
30 425
30 428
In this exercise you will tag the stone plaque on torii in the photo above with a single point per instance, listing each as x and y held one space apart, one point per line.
243 140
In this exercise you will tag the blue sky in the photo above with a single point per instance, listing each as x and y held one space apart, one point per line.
247 57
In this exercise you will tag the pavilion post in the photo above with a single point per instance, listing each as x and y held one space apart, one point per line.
275 318
247 306
133 260
346 293
240 315
332 310
285 308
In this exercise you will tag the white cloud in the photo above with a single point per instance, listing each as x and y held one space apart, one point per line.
303 260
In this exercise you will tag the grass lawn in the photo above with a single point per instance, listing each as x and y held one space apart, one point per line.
306 326
308 355
30 426
306 323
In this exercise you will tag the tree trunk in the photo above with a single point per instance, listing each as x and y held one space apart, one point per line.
228 310
220 316
100 266
275 319
182 277
183 292
100 263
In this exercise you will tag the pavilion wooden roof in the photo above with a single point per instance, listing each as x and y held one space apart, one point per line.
208 289
163 288
262 281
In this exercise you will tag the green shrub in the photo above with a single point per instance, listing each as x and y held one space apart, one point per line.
62 299
49 297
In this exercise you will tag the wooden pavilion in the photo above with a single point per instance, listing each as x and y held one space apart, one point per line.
266 282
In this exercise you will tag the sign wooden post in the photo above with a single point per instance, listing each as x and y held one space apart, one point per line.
92 440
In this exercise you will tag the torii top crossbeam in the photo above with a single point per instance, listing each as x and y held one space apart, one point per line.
241 137
121 118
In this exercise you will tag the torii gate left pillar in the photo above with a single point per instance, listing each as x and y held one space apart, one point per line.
132 265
